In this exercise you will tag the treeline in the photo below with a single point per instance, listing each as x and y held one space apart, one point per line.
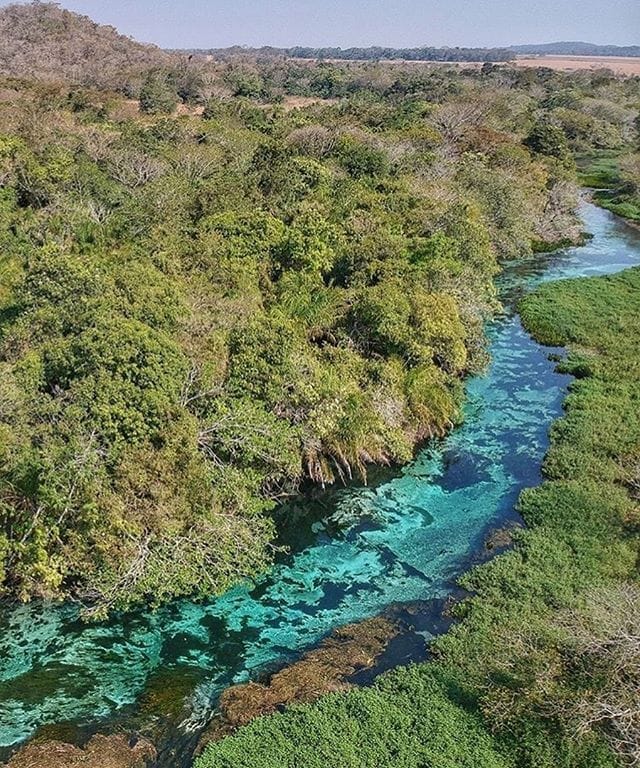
373 53
44 41
577 49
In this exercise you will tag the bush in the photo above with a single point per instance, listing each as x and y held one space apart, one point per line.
158 95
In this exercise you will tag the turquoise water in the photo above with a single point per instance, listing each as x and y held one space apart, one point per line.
354 555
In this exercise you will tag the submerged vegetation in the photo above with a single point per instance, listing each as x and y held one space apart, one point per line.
542 669
322 670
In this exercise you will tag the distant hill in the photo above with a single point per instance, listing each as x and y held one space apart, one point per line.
45 41
577 49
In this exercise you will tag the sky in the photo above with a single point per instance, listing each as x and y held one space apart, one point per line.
398 23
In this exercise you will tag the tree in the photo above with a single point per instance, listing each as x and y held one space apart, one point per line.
360 159
158 95
603 643
548 139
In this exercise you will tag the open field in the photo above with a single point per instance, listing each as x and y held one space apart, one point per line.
622 65
619 64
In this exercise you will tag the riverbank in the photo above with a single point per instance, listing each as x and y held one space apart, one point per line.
517 675
403 540
612 182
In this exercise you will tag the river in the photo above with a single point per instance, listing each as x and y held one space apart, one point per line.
354 552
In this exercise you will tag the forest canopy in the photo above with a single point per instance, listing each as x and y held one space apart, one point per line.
246 278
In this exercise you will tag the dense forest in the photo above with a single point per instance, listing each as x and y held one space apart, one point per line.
225 281
202 311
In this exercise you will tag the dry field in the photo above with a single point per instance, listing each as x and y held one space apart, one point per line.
300 102
619 64
622 65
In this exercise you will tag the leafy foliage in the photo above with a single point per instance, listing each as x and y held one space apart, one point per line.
157 95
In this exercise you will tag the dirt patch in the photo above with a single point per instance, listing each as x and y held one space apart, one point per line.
189 109
500 538
101 752
125 110
321 671
621 65
300 102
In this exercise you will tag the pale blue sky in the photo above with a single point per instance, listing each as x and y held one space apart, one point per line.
213 23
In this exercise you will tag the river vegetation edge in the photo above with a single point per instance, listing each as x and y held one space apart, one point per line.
531 675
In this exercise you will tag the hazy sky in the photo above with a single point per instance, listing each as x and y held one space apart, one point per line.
213 23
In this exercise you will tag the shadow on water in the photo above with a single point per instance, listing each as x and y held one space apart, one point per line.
395 546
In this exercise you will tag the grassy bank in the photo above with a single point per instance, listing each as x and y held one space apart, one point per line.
615 177
541 671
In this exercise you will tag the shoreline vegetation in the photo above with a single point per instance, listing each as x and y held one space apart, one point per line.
615 182
208 299
531 672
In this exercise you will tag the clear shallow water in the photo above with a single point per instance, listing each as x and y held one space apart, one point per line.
406 539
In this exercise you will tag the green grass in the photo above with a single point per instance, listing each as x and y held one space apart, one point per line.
408 721
480 702
599 169
622 205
